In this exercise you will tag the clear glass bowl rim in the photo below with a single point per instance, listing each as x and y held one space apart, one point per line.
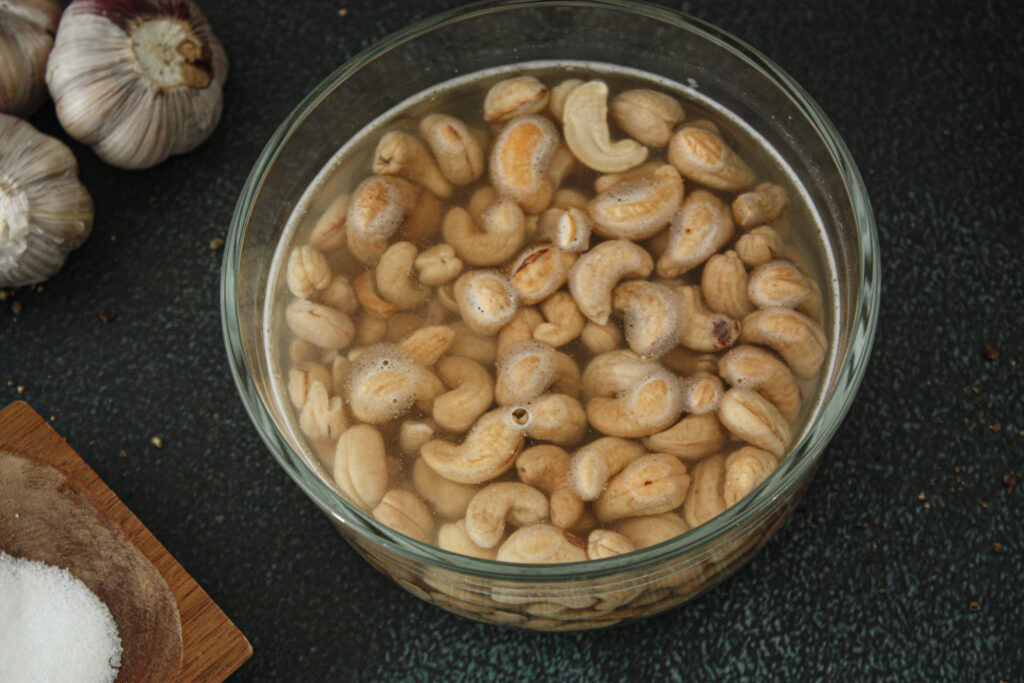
797 466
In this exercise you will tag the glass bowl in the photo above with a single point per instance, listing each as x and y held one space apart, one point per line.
492 34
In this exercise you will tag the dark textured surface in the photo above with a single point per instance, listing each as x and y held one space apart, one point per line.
866 580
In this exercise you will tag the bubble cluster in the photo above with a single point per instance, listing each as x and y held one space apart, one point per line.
521 155
377 208
382 383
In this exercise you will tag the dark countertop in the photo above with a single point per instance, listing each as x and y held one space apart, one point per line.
871 578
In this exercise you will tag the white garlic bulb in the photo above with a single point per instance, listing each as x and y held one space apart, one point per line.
138 80
44 211
26 36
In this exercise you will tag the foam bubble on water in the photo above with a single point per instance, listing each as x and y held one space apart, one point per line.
389 370
377 209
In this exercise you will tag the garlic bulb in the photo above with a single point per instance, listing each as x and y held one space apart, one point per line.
44 211
138 80
26 36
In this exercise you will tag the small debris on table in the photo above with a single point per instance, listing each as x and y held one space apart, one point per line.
991 352
216 243
975 606
107 316
17 308
997 547
1010 481
157 441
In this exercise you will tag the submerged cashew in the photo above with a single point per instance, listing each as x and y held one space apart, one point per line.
649 485
646 115
526 369
438 265
301 378
322 416
339 295
360 466
765 204
366 292
502 232
483 198
542 544
745 470
519 161
572 229
781 284
604 543
479 347
300 351
651 314
724 284
604 182
519 329
486 300
402 325
471 393
424 221
395 277
692 438
701 227
556 102
701 155
376 210
308 272
753 368
598 339
321 325
557 418
514 96
453 538
400 154
329 230
639 207
684 362
701 393
384 382
648 530
564 321
458 152
705 500
413 434
370 329
569 198
448 498
595 463
426 344
488 510
539 271
595 274
641 410
585 124
404 512
488 451
547 468
758 246
752 418
561 165
797 338
704 330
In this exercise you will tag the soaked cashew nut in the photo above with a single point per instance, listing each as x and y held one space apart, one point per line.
585 124
300 351
683 361
471 393
547 468
704 329
513 97
542 544
539 271
593 464
753 368
370 329
302 376
489 509
424 221
519 162
427 344
649 485
487 301
752 418
458 152
322 416
448 498
376 210
564 320
482 199
701 393
320 325
701 155
556 101
781 284
765 204
605 181
724 284
402 325
339 295
561 165
604 543
453 538
646 115
384 382
569 198
595 274
519 329
651 314
692 438
639 207
360 466
481 348
400 154
502 232
413 434
705 500
404 512
366 293
758 246
648 530
701 227
395 277
641 410
488 451
794 336
598 339
329 230
308 272
526 369
438 265
571 231
745 470
557 418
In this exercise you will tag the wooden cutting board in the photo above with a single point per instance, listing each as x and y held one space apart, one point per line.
212 647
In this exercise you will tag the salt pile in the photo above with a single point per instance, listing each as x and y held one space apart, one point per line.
52 627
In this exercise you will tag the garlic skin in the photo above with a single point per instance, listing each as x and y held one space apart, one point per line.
26 36
44 211
137 80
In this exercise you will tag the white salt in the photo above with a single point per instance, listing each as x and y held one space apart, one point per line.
52 627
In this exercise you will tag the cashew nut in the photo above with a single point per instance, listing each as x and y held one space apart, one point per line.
557 418
585 124
483 198
404 512
370 329
513 97
758 246
745 470
561 165
646 115
794 336
692 438
527 369
366 292
488 510
448 498
501 234
556 102
542 544
765 204
605 181
322 416
308 272
360 466
457 150
598 339
701 227
569 198
724 284
649 485
453 538
754 419
395 277
321 325
519 329
539 271
547 468
413 434
519 161
704 330
402 325
301 378
486 300
479 347
424 221
384 382
701 393
400 154
651 314
753 368
643 409
300 350
564 321
683 361
705 500
604 543
595 274
329 230
339 295
571 231
376 210
471 393
488 451
438 265
702 155
648 530
340 367
427 344
595 463
781 284
638 208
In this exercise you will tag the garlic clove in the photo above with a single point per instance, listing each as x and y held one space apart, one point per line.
138 82
26 36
